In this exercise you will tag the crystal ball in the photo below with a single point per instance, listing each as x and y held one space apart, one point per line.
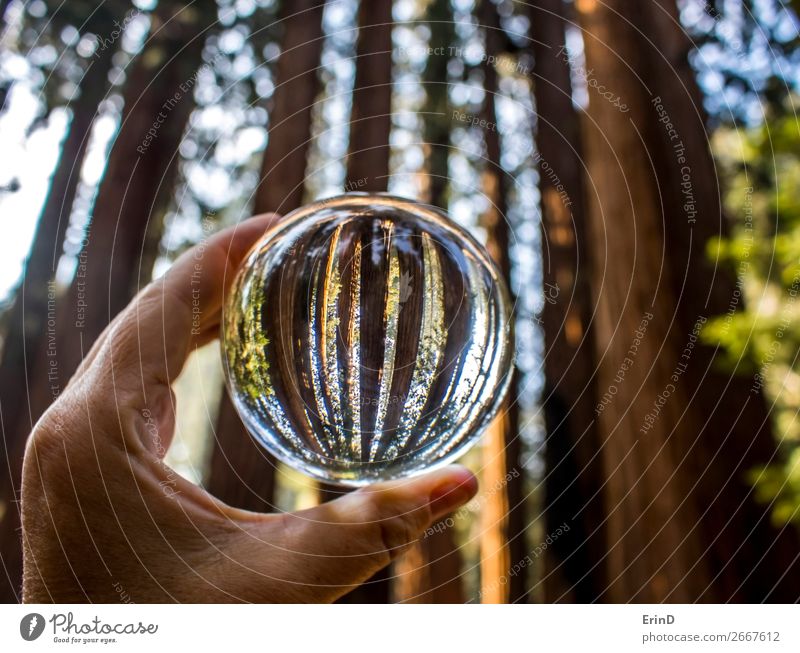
367 337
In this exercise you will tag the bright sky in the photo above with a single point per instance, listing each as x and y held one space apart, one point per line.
31 162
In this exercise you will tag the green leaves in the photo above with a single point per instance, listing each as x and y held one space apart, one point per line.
760 333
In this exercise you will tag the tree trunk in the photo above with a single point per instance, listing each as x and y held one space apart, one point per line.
573 475
735 434
158 100
368 169
158 97
370 117
26 320
242 474
503 513
431 571
656 551
298 85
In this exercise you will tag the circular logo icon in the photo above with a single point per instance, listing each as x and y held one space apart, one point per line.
31 626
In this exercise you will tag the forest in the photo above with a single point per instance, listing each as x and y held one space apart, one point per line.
631 166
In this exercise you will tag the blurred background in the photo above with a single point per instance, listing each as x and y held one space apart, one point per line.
632 165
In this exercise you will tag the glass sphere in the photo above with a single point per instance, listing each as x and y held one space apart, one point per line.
367 337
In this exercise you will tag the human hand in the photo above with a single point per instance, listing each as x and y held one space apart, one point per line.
95 515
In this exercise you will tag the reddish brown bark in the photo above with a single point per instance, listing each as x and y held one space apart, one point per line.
370 117
573 475
431 571
750 558
655 551
158 100
241 473
368 169
503 520
284 165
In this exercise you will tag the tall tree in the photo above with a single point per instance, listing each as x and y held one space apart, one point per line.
241 474
692 216
573 475
655 550
368 167
26 321
158 100
431 571
503 513
370 117
437 110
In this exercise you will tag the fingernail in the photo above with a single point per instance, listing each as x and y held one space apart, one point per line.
452 493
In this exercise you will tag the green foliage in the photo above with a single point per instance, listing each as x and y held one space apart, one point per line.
760 334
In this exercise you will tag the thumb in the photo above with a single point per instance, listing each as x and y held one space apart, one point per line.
326 551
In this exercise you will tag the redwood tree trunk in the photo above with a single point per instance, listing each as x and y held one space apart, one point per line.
26 320
368 168
735 435
431 571
573 474
158 100
503 520
242 474
655 550
370 117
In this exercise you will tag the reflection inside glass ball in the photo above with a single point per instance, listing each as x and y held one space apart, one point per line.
367 337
